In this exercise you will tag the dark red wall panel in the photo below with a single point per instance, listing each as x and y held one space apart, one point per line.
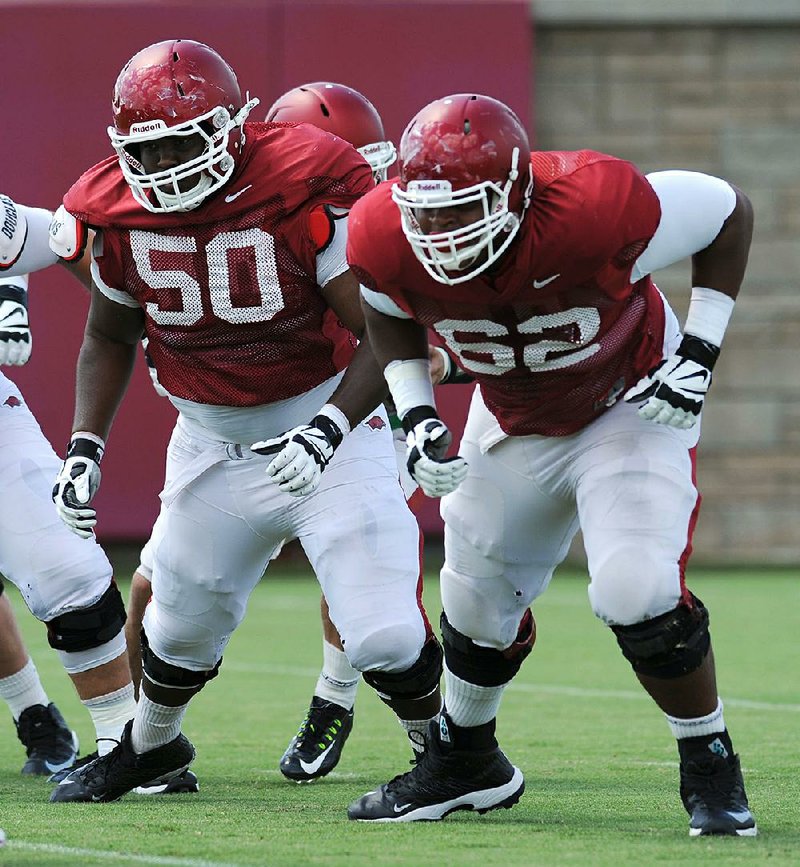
59 67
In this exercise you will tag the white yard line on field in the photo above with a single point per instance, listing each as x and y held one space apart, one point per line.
114 857
533 688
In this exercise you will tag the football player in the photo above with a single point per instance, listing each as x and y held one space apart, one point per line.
66 582
232 262
535 268
317 747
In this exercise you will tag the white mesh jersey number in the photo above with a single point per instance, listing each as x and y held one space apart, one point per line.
219 277
539 354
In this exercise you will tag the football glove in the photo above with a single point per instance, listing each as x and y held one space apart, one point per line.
301 454
77 483
427 441
15 333
672 393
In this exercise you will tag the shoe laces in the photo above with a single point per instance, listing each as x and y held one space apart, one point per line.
320 723
36 728
717 782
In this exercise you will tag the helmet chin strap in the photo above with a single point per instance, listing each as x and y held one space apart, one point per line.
197 190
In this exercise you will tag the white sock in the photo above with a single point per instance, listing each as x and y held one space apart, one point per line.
711 724
469 704
109 714
417 731
155 724
23 690
338 680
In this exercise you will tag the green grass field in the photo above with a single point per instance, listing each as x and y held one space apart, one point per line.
598 758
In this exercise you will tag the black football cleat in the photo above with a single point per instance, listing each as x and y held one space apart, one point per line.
442 781
173 784
109 777
49 742
185 783
58 776
317 747
712 790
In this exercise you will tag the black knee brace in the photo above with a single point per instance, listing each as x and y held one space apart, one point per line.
89 627
670 645
485 666
416 682
173 676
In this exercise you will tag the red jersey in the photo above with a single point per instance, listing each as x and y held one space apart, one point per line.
232 308
554 333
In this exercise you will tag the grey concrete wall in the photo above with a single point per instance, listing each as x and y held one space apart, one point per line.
716 91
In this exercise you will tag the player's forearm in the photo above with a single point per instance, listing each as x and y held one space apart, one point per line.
103 373
722 264
363 387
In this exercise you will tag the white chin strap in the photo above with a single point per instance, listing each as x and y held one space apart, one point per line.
189 200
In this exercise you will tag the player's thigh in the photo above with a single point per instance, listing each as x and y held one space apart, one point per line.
637 503
505 532
206 564
363 544
55 570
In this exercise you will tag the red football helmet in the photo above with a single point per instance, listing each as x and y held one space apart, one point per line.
177 88
342 111
464 149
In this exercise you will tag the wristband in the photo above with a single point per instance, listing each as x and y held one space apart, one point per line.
337 417
409 382
708 316
84 444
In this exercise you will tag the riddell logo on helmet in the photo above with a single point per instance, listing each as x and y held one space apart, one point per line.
429 186
147 126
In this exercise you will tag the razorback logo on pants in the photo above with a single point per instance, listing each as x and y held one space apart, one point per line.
376 423
12 400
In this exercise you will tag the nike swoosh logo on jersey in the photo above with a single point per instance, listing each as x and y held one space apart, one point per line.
540 284
313 767
236 195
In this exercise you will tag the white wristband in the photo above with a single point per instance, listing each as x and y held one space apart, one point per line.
337 417
709 313
409 382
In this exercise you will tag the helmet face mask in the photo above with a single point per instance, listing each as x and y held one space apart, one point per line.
177 89
459 151
343 111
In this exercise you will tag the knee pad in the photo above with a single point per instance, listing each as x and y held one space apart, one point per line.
418 681
89 627
485 666
670 645
165 674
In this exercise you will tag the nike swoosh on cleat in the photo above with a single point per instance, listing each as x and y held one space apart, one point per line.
236 195
398 808
313 767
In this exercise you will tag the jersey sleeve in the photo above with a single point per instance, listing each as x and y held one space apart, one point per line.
107 269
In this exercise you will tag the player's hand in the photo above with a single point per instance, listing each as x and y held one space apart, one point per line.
77 483
301 454
15 333
427 441
672 393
